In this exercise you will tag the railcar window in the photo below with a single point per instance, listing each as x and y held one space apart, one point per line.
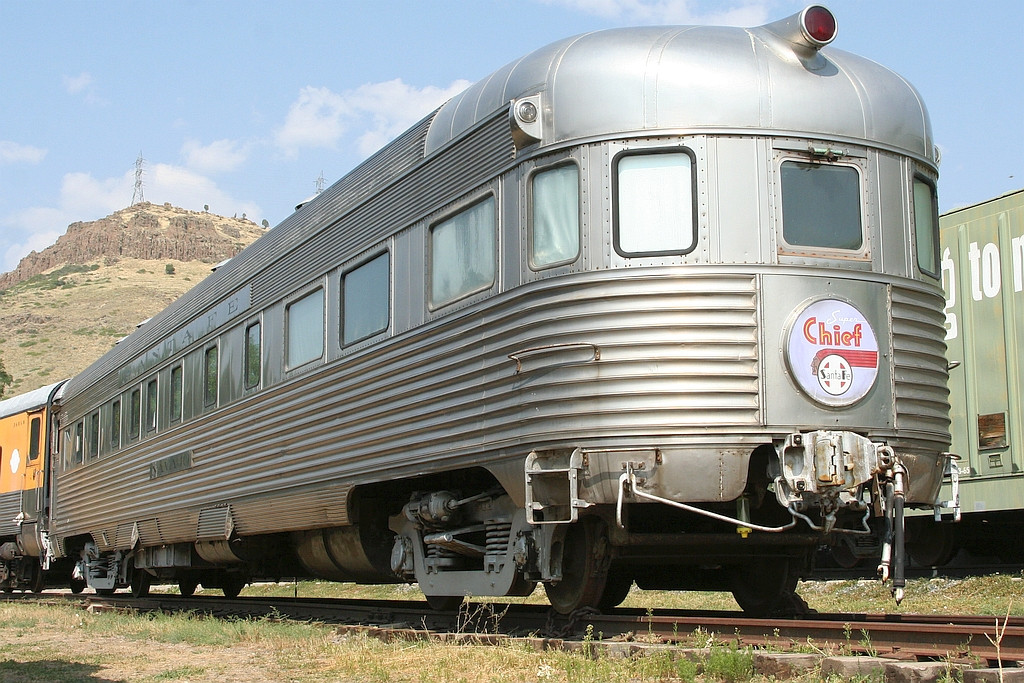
821 206
210 376
76 451
33 439
115 424
462 253
305 329
366 295
93 449
151 401
135 414
253 355
654 200
926 226
177 392
555 237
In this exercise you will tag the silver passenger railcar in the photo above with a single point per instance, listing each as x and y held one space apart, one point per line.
654 305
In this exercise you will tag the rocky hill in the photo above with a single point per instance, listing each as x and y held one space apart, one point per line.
142 231
63 307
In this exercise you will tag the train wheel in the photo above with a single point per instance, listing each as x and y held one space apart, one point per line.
444 603
38 580
616 588
141 581
187 587
232 585
584 568
931 544
767 587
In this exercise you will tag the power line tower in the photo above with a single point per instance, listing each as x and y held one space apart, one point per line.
138 195
320 183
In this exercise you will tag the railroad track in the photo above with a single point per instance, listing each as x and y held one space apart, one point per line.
904 637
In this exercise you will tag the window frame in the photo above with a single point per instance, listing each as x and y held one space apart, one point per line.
787 248
247 356
531 218
35 428
151 405
441 220
341 298
115 423
177 385
305 294
210 398
135 414
936 246
616 202
92 436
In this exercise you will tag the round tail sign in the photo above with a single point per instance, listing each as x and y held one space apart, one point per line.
833 352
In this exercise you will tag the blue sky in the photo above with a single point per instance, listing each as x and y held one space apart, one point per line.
242 105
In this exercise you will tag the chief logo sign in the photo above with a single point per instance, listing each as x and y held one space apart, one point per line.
833 352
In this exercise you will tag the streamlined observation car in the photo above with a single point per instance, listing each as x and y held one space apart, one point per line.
24 471
654 305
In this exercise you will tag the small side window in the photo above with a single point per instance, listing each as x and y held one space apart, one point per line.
93 445
210 378
926 226
34 430
305 329
115 424
135 414
253 355
462 253
177 393
655 210
555 216
821 206
79 443
151 405
366 297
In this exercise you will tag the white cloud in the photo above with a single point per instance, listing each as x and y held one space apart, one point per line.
320 118
741 13
77 84
83 85
221 155
83 197
13 153
314 120
190 190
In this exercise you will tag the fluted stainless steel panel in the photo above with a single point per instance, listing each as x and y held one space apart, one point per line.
10 506
922 396
678 353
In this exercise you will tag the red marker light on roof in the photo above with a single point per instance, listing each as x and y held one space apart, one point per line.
819 25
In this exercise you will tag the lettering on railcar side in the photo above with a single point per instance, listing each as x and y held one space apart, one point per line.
171 464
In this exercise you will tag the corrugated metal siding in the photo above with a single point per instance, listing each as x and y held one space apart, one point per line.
10 507
678 354
919 362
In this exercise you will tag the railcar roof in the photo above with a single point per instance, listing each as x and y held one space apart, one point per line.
30 400
698 77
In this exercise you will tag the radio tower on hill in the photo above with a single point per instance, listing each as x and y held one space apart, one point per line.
137 195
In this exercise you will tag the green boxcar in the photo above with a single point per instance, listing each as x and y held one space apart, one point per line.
982 248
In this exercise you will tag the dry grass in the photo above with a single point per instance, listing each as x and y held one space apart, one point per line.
55 326
47 642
